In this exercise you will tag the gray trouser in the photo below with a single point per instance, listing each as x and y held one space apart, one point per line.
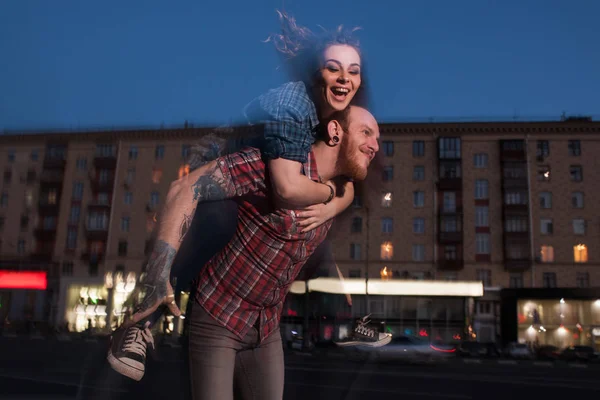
224 367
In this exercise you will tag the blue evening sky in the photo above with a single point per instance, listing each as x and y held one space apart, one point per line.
69 64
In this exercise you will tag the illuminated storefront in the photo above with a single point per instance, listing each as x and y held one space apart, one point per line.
557 317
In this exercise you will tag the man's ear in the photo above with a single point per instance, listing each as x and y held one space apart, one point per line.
334 130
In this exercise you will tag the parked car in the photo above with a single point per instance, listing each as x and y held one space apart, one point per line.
478 349
548 352
578 353
411 349
518 350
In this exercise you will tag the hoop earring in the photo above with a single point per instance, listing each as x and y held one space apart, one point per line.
335 139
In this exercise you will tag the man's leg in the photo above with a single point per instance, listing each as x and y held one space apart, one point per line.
212 354
259 372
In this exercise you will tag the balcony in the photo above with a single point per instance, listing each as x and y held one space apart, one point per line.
450 237
92 257
517 265
514 183
456 212
98 206
95 234
512 150
515 209
105 161
445 183
45 233
54 163
46 208
450 265
50 177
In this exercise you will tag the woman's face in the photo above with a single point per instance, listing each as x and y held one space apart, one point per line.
340 78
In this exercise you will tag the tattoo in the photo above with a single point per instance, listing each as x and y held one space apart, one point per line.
185 225
159 264
209 187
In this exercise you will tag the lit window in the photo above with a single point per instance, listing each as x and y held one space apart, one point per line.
385 273
580 253
387 251
156 175
183 171
386 199
52 196
547 254
543 173
28 198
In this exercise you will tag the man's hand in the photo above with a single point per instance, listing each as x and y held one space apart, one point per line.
154 297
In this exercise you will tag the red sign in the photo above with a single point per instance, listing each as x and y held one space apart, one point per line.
23 280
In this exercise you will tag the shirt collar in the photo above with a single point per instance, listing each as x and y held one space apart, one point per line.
310 167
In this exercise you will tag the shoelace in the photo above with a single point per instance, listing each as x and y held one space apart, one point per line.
137 340
362 327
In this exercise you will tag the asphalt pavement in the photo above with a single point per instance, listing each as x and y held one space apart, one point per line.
50 369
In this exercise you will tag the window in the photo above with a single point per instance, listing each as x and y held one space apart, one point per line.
547 254
387 225
480 160
482 242
130 177
576 173
583 280
387 251
28 198
21 246
156 175
543 149
103 198
77 191
549 279
449 148
128 198
354 273
30 176
449 170
103 176
450 252
580 253
356 225
514 170
67 268
451 223
516 224
418 199
482 216
577 199
418 225
418 148
355 253
51 196
184 170
388 173
154 199
451 276
357 201
388 148
71 239
418 252
97 221
11 155
579 226
125 224
449 202
133 152
546 226
484 307
543 173
485 276
35 155
81 164
74 214
105 150
418 173
545 200
24 222
386 200
516 280
4 199
49 223
515 197
1 221
185 151
481 189
574 148
7 175
517 251
122 248
159 152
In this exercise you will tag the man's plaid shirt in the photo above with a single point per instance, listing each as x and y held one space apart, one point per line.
251 276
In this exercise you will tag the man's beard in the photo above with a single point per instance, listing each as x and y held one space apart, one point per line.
348 163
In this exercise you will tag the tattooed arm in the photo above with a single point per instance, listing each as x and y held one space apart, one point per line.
207 183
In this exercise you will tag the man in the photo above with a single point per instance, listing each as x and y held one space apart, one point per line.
240 291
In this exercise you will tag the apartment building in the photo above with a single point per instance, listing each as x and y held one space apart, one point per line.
510 204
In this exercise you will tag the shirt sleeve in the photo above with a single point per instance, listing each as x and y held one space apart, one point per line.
243 172
285 114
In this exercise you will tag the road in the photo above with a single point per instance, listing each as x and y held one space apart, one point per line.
49 369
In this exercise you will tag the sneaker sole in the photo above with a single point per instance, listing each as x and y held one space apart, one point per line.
378 343
125 369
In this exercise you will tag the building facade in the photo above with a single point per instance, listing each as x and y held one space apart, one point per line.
509 204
